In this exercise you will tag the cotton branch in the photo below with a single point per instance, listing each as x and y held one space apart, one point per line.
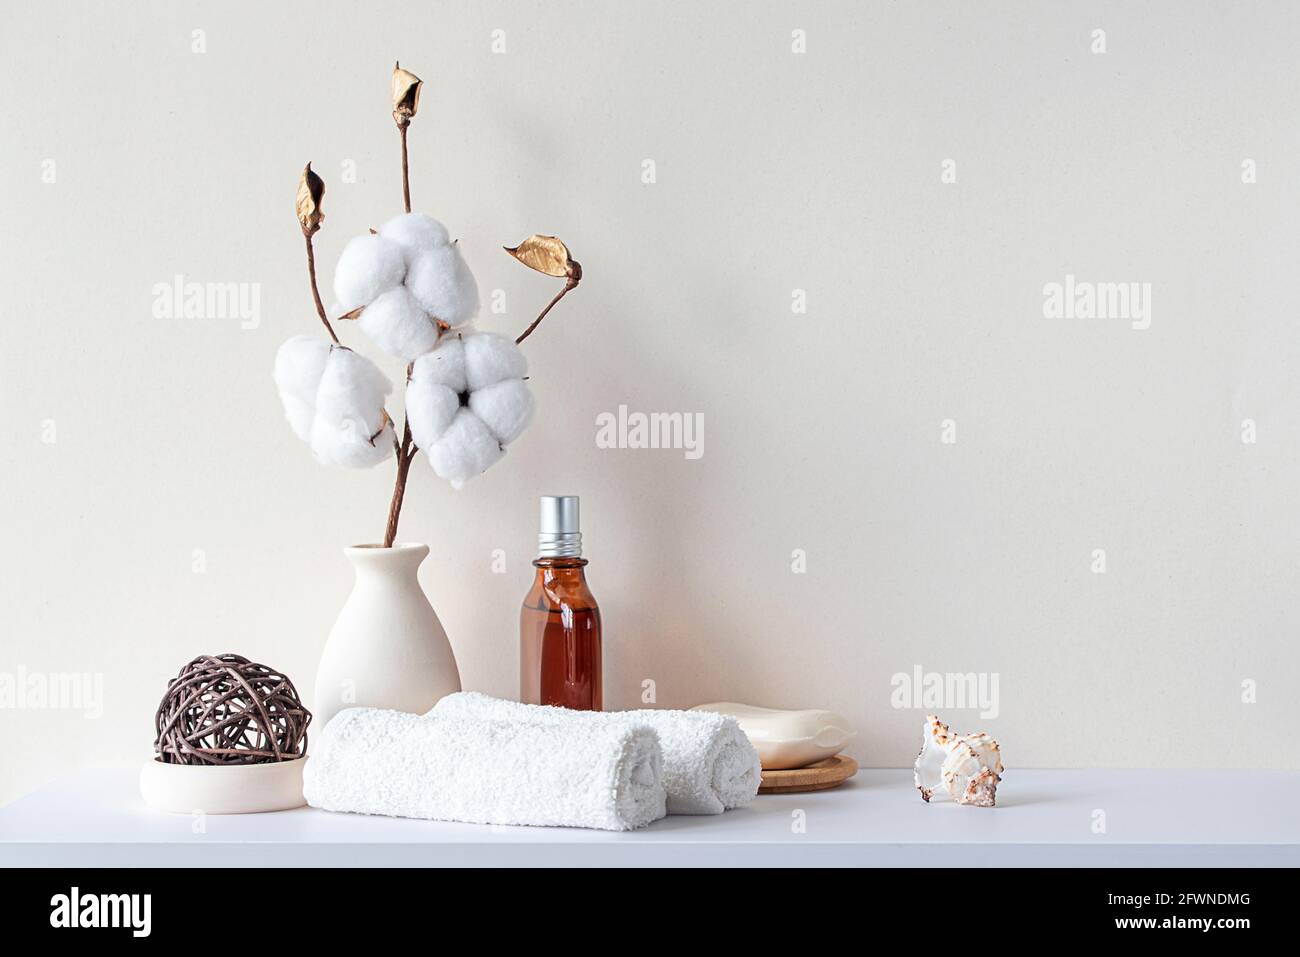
405 453
570 283
549 256
311 191
406 101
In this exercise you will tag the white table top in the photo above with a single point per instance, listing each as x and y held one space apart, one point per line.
1152 818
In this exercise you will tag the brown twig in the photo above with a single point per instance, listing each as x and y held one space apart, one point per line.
406 170
570 283
406 101
406 451
405 454
315 292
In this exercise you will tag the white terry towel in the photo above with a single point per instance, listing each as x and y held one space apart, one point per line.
454 768
709 764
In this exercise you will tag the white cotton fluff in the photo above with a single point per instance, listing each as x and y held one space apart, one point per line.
412 277
334 400
350 428
443 285
299 365
466 401
429 410
415 232
445 365
369 266
398 325
465 449
505 408
490 358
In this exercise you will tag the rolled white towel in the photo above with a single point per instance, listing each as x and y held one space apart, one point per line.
458 768
709 764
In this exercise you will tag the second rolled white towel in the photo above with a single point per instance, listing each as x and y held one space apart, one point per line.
451 767
709 765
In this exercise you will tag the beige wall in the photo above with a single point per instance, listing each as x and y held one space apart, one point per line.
137 449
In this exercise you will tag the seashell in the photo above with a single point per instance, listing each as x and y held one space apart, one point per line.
967 767
788 739
929 762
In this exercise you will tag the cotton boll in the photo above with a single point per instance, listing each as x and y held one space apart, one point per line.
464 450
485 370
398 325
352 386
445 365
490 358
505 408
300 415
369 265
350 428
334 399
442 283
430 408
415 232
299 365
345 445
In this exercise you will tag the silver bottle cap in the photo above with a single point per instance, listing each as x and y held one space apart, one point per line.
558 535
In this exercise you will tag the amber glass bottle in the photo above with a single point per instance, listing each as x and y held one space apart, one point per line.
559 624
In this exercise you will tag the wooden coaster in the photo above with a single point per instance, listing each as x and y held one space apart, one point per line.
822 776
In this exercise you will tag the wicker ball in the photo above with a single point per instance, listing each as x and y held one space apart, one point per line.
225 709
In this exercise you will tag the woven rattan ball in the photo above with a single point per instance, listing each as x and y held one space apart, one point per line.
225 709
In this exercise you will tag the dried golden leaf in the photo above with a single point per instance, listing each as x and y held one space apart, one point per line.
546 254
311 191
406 93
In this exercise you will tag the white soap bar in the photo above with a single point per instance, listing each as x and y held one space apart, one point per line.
788 739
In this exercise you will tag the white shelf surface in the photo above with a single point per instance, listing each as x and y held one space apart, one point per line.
1152 818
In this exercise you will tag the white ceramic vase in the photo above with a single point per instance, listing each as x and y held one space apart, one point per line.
387 649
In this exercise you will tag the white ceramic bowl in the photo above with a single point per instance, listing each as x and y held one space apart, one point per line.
217 789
